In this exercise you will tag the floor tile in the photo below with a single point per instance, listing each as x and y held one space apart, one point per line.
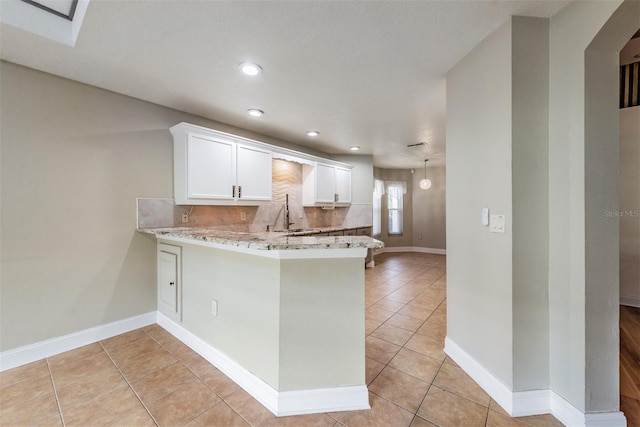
382 414
416 312
221 384
25 390
392 334
389 305
378 314
380 350
373 368
103 410
133 369
416 364
446 409
405 322
311 420
455 380
75 370
371 325
135 349
162 382
197 364
219 415
119 340
427 346
400 388
138 418
25 372
89 387
419 422
248 408
29 412
495 419
183 405
548 420
60 360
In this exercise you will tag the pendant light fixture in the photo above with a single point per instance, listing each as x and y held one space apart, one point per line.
425 183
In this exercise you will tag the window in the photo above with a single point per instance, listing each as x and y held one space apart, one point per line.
378 192
395 191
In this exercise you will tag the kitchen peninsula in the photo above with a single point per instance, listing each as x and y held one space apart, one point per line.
280 313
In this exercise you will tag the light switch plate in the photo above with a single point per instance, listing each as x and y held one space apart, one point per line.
497 224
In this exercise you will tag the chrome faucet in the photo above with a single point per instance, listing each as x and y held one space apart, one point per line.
286 212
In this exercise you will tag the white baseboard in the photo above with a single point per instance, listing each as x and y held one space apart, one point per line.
388 249
40 350
630 300
534 402
279 403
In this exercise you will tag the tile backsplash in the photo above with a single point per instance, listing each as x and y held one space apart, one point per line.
287 179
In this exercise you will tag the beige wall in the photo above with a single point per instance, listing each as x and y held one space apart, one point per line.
479 267
74 160
583 242
406 239
630 206
429 218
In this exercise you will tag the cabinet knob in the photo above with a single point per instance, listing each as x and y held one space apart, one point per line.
171 283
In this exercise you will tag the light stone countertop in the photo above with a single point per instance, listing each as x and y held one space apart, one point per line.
274 240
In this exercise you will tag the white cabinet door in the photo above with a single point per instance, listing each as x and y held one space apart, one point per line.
211 168
325 183
169 281
254 173
343 185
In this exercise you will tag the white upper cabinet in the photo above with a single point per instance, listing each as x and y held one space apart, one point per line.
343 185
254 173
326 184
214 168
217 168
210 168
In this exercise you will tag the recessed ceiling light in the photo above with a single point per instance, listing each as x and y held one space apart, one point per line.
354 148
313 133
250 69
255 112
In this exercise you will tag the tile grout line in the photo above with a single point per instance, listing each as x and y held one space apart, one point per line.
55 392
129 384
415 414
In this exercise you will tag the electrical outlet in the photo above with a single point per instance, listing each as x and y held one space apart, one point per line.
185 218
214 307
243 216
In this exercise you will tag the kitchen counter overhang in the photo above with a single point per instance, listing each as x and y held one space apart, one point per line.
274 244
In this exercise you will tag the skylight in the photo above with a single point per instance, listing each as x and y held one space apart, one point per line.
57 20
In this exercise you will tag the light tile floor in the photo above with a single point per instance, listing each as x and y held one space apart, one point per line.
147 377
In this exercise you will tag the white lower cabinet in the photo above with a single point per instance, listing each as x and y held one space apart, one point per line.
170 281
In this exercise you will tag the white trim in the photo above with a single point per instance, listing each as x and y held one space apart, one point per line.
492 385
605 419
40 350
420 249
533 402
279 403
630 300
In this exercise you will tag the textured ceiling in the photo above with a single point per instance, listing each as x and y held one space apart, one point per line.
361 72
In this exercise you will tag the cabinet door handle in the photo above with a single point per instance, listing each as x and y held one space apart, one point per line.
172 283
239 191
233 191
336 197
